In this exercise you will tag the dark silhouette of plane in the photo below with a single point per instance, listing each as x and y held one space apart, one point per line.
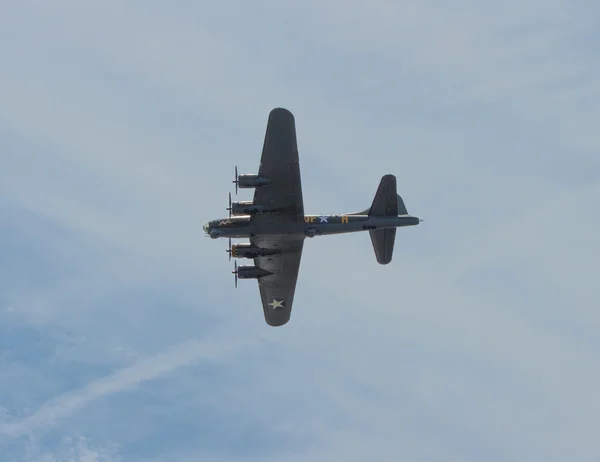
276 224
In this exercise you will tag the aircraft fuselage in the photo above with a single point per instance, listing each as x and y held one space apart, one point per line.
307 226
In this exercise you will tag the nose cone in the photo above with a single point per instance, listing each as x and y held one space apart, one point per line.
206 228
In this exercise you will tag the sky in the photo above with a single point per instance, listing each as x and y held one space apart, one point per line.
122 337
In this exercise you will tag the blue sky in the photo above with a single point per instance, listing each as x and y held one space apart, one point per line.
121 336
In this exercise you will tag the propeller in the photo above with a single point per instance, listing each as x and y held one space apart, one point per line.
229 249
229 208
235 180
235 272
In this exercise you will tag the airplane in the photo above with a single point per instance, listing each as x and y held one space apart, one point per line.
276 225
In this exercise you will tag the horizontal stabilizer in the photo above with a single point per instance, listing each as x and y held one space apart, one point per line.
362 212
383 244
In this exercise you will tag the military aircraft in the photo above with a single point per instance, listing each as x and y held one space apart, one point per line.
275 223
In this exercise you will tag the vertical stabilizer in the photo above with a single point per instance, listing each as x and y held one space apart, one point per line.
385 203
401 207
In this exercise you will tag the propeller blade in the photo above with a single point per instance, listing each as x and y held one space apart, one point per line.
229 208
229 250
236 180
235 272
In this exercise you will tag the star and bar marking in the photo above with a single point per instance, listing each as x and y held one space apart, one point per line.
276 303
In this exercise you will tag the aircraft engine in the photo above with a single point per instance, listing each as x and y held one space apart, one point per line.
248 272
246 251
251 181
246 208
251 272
248 180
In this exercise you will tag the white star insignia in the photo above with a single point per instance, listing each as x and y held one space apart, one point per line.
276 304
323 219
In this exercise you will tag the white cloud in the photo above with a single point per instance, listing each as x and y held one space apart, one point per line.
72 450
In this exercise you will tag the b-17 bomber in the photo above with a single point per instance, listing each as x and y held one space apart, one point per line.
276 226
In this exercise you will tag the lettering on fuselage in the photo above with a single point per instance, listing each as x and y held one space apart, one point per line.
329 219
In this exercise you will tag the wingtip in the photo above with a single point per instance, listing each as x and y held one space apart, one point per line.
277 321
280 111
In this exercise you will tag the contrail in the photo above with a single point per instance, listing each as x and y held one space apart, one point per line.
146 369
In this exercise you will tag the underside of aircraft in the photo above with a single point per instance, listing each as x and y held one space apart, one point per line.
276 225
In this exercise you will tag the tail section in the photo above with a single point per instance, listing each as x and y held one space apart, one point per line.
401 207
387 202
383 244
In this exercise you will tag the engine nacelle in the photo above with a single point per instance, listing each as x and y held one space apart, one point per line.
246 208
248 180
251 272
246 251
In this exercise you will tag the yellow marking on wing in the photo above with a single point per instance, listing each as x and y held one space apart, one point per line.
344 219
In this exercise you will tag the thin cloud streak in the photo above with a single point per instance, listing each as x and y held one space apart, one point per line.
144 370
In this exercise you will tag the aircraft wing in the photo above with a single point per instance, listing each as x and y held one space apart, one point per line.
277 289
279 163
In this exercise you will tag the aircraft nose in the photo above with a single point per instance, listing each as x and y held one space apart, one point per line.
206 227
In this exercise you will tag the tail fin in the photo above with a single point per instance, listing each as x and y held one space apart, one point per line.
387 202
